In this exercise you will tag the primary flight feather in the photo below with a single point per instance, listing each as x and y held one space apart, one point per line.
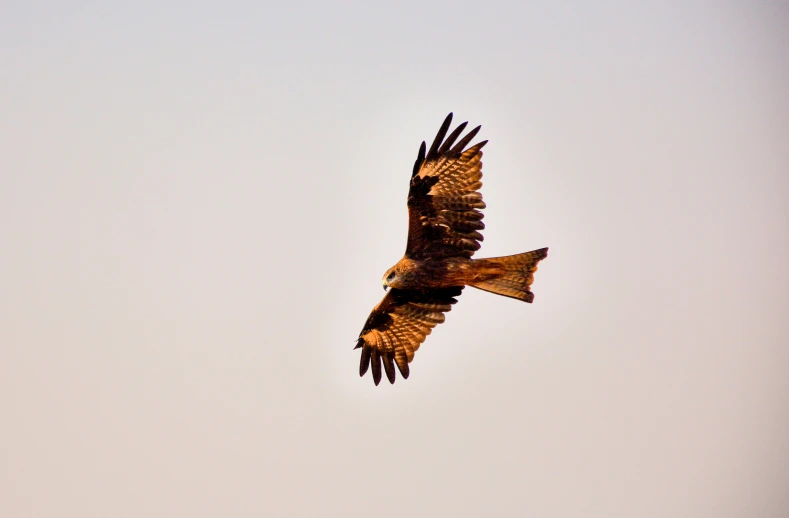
444 224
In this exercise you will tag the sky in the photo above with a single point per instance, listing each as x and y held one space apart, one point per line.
198 201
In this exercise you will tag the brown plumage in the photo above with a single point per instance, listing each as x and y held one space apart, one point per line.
444 224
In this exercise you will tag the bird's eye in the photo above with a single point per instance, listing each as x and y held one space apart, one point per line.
390 277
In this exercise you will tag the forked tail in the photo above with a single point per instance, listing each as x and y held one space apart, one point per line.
510 276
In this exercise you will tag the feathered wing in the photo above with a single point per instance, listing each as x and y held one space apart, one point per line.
397 327
444 202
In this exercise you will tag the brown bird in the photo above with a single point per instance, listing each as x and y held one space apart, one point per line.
444 221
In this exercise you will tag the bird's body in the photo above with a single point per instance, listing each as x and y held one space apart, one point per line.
443 233
411 274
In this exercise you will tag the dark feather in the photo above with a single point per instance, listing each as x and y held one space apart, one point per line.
451 139
375 360
433 153
389 366
420 158
465 140
365 362
402 365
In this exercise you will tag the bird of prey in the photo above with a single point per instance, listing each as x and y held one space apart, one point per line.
444 223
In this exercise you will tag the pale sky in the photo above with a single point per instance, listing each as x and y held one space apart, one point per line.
198 201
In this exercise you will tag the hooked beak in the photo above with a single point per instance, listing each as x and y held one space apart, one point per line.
386 286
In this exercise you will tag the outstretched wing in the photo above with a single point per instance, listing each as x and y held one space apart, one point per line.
444 219
398 325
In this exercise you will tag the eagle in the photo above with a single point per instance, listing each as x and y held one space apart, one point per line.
444 224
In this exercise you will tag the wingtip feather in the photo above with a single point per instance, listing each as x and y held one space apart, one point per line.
364 363
420 158
401 360
375 361
461 145
389 367
452 138
442 132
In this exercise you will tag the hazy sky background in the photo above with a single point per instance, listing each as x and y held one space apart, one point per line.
197 203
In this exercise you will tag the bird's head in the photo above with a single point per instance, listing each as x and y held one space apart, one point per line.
390 278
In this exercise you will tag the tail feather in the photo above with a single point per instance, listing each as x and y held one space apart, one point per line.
510 276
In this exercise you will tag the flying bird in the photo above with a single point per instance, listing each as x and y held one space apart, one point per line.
444 224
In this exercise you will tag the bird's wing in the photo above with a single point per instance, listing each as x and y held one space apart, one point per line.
444 219
398 325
